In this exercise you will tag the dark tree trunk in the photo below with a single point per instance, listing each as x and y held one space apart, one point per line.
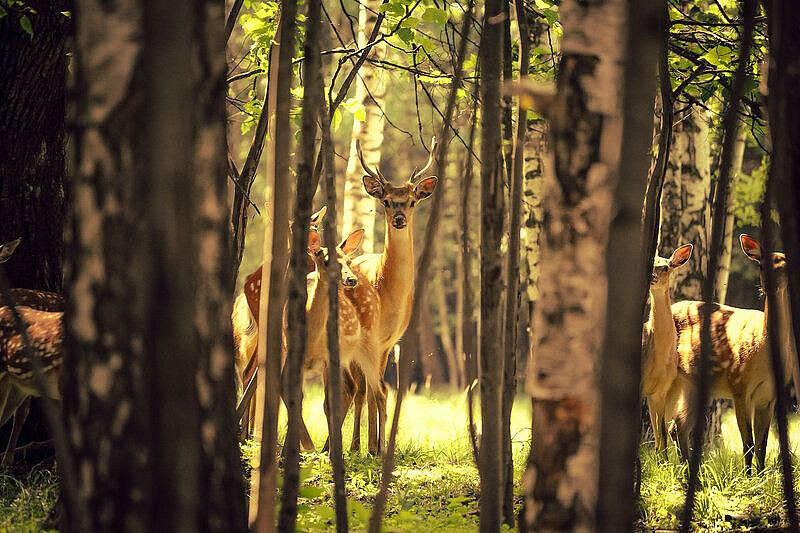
492 217
620 366
296 304
149 384
512 271
33 73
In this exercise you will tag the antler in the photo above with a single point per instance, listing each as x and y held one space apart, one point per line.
374 173
418 173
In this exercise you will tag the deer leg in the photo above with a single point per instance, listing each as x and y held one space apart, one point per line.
761 422
359 394
372 419
381 400
348 391
745 430
19 420
305 437
684 426
655 424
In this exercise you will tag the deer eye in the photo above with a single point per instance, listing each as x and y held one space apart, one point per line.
411 204
386 203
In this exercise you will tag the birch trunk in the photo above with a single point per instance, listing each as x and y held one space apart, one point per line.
359 207
685 203
570 315
148 378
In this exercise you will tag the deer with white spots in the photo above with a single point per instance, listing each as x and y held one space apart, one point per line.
42 312
392 274
659 367
740 366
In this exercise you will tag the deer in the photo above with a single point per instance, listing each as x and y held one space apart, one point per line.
42 311
391 272
740 366
659 367
244 319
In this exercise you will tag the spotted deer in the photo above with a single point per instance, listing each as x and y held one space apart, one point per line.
740 359
42 312
659 367
392 274
244 319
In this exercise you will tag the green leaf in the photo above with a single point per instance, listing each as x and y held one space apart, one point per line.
360 114
719 56
3 12
25 22
406 34
435 16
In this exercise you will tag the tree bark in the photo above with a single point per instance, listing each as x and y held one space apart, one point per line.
272 302
724 270
586 129
492 218
147 369
298 294
685 201
620 366
33 76
359 207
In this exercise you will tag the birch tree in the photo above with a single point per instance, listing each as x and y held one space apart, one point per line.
584 115
148 377
368 122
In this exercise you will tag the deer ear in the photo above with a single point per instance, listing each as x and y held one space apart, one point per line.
314 242
750 247
317 217
680 256
374 187
425 187
8 248
352 242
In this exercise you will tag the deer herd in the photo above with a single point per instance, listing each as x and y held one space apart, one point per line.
375 300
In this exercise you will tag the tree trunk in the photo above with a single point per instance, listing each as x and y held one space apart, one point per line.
298 294
271 304
724 270
453 371
620 366
359 207
572 309
148 369
33 75
492 217
685 203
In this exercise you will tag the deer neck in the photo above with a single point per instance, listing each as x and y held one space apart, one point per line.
396 279
780 307
661 315
317 308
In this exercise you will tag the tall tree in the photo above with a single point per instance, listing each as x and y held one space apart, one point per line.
298 269
585 123
620 366
33 78
724 269
368 122
147 369
491 260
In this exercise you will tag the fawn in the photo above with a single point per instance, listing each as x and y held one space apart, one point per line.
740 366
392 274
42 313
659 367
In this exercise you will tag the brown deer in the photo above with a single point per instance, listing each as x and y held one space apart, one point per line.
659 367
740 366
42 311
392 274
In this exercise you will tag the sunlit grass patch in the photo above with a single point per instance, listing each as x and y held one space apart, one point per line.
727 498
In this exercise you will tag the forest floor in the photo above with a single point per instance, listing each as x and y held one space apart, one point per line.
436 484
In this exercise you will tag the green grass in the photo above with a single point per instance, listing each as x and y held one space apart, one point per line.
436 484
26 501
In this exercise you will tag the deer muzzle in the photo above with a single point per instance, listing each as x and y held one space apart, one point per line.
399 221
